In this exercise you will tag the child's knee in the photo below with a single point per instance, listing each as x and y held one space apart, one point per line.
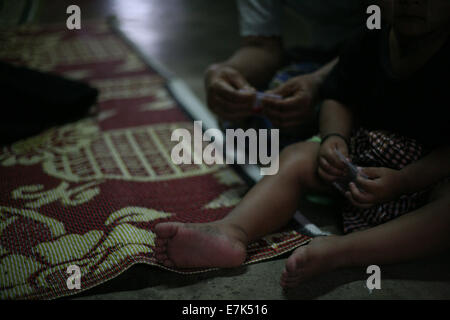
298 158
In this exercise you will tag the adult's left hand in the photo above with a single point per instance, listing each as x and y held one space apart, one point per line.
297 103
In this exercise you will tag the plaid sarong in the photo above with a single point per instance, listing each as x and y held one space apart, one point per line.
383 149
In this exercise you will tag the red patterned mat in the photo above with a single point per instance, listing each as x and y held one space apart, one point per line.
89 193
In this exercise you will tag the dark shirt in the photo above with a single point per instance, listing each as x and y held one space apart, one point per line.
416 106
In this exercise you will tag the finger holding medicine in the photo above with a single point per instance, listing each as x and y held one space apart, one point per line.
353 175
259 96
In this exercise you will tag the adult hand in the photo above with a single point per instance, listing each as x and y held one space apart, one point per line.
229 95
330 166
297 103
382 185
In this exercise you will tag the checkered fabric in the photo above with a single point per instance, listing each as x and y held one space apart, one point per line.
383 149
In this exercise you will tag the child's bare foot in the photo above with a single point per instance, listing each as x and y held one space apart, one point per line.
200 245
321 255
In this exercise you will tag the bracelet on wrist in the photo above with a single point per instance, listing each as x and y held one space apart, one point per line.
325 137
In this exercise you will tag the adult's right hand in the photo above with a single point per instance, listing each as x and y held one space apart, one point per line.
228 93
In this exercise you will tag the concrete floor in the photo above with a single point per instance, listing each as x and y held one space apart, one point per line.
186 36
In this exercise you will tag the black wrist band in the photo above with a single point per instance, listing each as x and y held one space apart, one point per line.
334 135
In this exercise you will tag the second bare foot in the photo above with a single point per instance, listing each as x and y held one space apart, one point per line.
321 255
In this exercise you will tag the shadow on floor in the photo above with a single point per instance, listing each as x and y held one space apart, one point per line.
430 270
142 276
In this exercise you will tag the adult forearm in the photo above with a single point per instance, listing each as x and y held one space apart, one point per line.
322 73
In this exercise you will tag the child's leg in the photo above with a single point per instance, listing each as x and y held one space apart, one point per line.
414 235
264 209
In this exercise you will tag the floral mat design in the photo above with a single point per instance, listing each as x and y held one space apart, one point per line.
90 192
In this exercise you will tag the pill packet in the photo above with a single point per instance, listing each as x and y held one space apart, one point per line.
261 95
342 184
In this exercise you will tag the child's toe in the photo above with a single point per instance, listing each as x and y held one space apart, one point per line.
166 230
160 243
